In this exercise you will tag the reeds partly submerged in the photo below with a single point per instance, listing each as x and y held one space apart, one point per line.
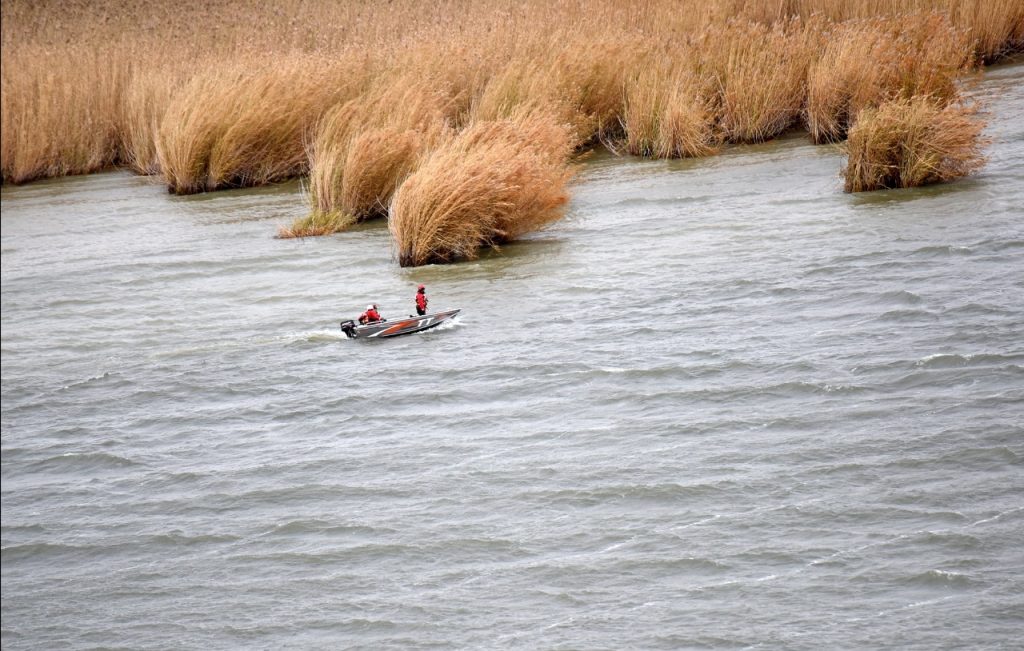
377 102
866 62
53 124
235 127
906 143
362 149
488 185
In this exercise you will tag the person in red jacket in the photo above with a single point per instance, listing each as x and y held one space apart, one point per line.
371 315
421 300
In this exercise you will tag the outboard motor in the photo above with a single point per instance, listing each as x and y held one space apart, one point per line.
349 328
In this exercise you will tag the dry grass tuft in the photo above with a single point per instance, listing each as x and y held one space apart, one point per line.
912 142
377 161
488 185
315 224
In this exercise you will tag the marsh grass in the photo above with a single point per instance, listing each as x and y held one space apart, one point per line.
53 124
377 101
906 143
670 114
237 127
316 224
483 187
363 148
221 102
761 71
868 62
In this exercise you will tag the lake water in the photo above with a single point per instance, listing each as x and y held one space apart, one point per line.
720 405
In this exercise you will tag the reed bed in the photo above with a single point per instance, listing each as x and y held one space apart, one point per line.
670 114
363 148
369 99
906 143
867 62
236 127
483 187
761 71
576 79
52 124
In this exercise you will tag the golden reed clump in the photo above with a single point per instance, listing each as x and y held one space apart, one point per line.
235 127
491 183
867 62
905 143
761 71
53 124
362 149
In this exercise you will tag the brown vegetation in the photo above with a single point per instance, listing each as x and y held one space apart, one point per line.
315 224
490 184
867 62
362 149
670 114
906 143
237 127
761 71
370 97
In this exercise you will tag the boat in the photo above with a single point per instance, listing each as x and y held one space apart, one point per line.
397 327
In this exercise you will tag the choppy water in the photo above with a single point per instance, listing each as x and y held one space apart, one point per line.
721 405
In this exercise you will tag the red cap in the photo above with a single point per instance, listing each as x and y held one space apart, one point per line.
422 287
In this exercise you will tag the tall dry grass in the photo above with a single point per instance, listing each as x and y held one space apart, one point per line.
577 79
364 96
867 62
906 143
995 27
670 114
363 148
483 187
52 124
238 127
145 100
761 71
87 84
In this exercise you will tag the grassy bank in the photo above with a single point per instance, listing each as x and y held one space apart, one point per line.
373 99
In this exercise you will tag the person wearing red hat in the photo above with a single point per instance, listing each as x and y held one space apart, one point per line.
421 300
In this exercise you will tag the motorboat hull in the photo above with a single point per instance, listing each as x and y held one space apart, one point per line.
396 328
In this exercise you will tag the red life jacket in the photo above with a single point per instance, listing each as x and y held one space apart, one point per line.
421 301
369 316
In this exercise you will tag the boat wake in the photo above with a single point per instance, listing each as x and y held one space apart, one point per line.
323 335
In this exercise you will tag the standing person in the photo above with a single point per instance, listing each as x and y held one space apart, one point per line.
421 300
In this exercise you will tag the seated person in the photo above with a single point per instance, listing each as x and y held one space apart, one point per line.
371 315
